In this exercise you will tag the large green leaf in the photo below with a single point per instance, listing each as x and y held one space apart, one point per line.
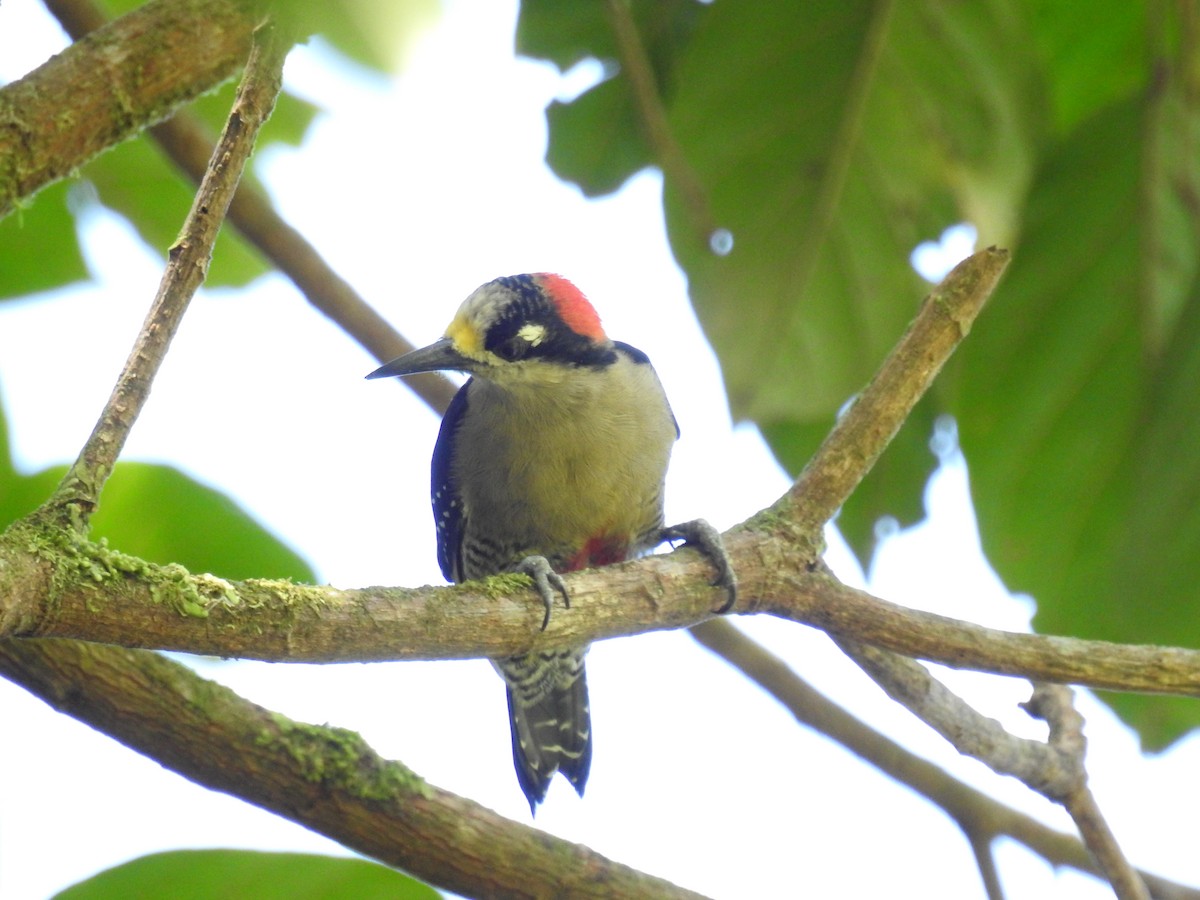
828 140
598 142
162 515
138 181
375 33
221 874
38 249
1080 404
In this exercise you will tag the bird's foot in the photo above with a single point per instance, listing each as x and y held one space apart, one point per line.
708 541
546 581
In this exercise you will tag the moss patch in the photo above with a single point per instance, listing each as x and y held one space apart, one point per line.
79 563
341 759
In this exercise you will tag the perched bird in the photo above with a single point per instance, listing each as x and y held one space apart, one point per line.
551 458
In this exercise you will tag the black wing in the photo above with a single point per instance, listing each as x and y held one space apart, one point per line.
447 501
642 359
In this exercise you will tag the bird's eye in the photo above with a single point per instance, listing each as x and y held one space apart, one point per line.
513 349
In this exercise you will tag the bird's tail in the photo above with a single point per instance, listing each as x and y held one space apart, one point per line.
550 721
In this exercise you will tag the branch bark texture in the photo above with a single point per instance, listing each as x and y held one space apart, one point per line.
105 89
188 143
54 582
187 266
981 818
326 778
51 586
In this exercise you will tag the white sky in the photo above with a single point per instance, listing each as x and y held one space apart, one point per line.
417 192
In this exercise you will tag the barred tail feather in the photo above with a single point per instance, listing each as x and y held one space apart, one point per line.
551 734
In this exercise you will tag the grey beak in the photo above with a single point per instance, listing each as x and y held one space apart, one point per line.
436 357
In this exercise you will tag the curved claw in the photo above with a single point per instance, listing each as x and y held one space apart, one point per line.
546 581
708 541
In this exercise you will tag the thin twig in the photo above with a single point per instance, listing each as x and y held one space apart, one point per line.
186 140
1054 703
187 265
981 818
985 860
1053 769
868 426
968 731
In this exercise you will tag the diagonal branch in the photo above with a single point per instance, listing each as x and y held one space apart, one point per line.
327 779
187 265
186 140
864 431
1054 769
1055 704
971 733
981 818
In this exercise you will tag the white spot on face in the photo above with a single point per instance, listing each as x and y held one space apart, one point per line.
533 333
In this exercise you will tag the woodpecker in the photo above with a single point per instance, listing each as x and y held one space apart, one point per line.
551 458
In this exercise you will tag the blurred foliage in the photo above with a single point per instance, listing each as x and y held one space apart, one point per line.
162 515
27 233
220 874
139 182
829 139
374 33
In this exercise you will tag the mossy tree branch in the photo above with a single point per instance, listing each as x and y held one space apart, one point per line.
326 778
58 587
68 587
110 86
187 265
46 579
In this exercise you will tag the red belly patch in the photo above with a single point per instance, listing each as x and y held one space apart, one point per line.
599 551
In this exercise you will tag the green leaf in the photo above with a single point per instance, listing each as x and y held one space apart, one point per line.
1080 407
138 181
375 33
39 246
566 32
220 874
587 143
837 155
162 515
597 141
828 139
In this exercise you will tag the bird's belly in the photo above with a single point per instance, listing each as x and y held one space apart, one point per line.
577 510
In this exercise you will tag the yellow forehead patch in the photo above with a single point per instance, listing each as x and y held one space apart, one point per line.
465 336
